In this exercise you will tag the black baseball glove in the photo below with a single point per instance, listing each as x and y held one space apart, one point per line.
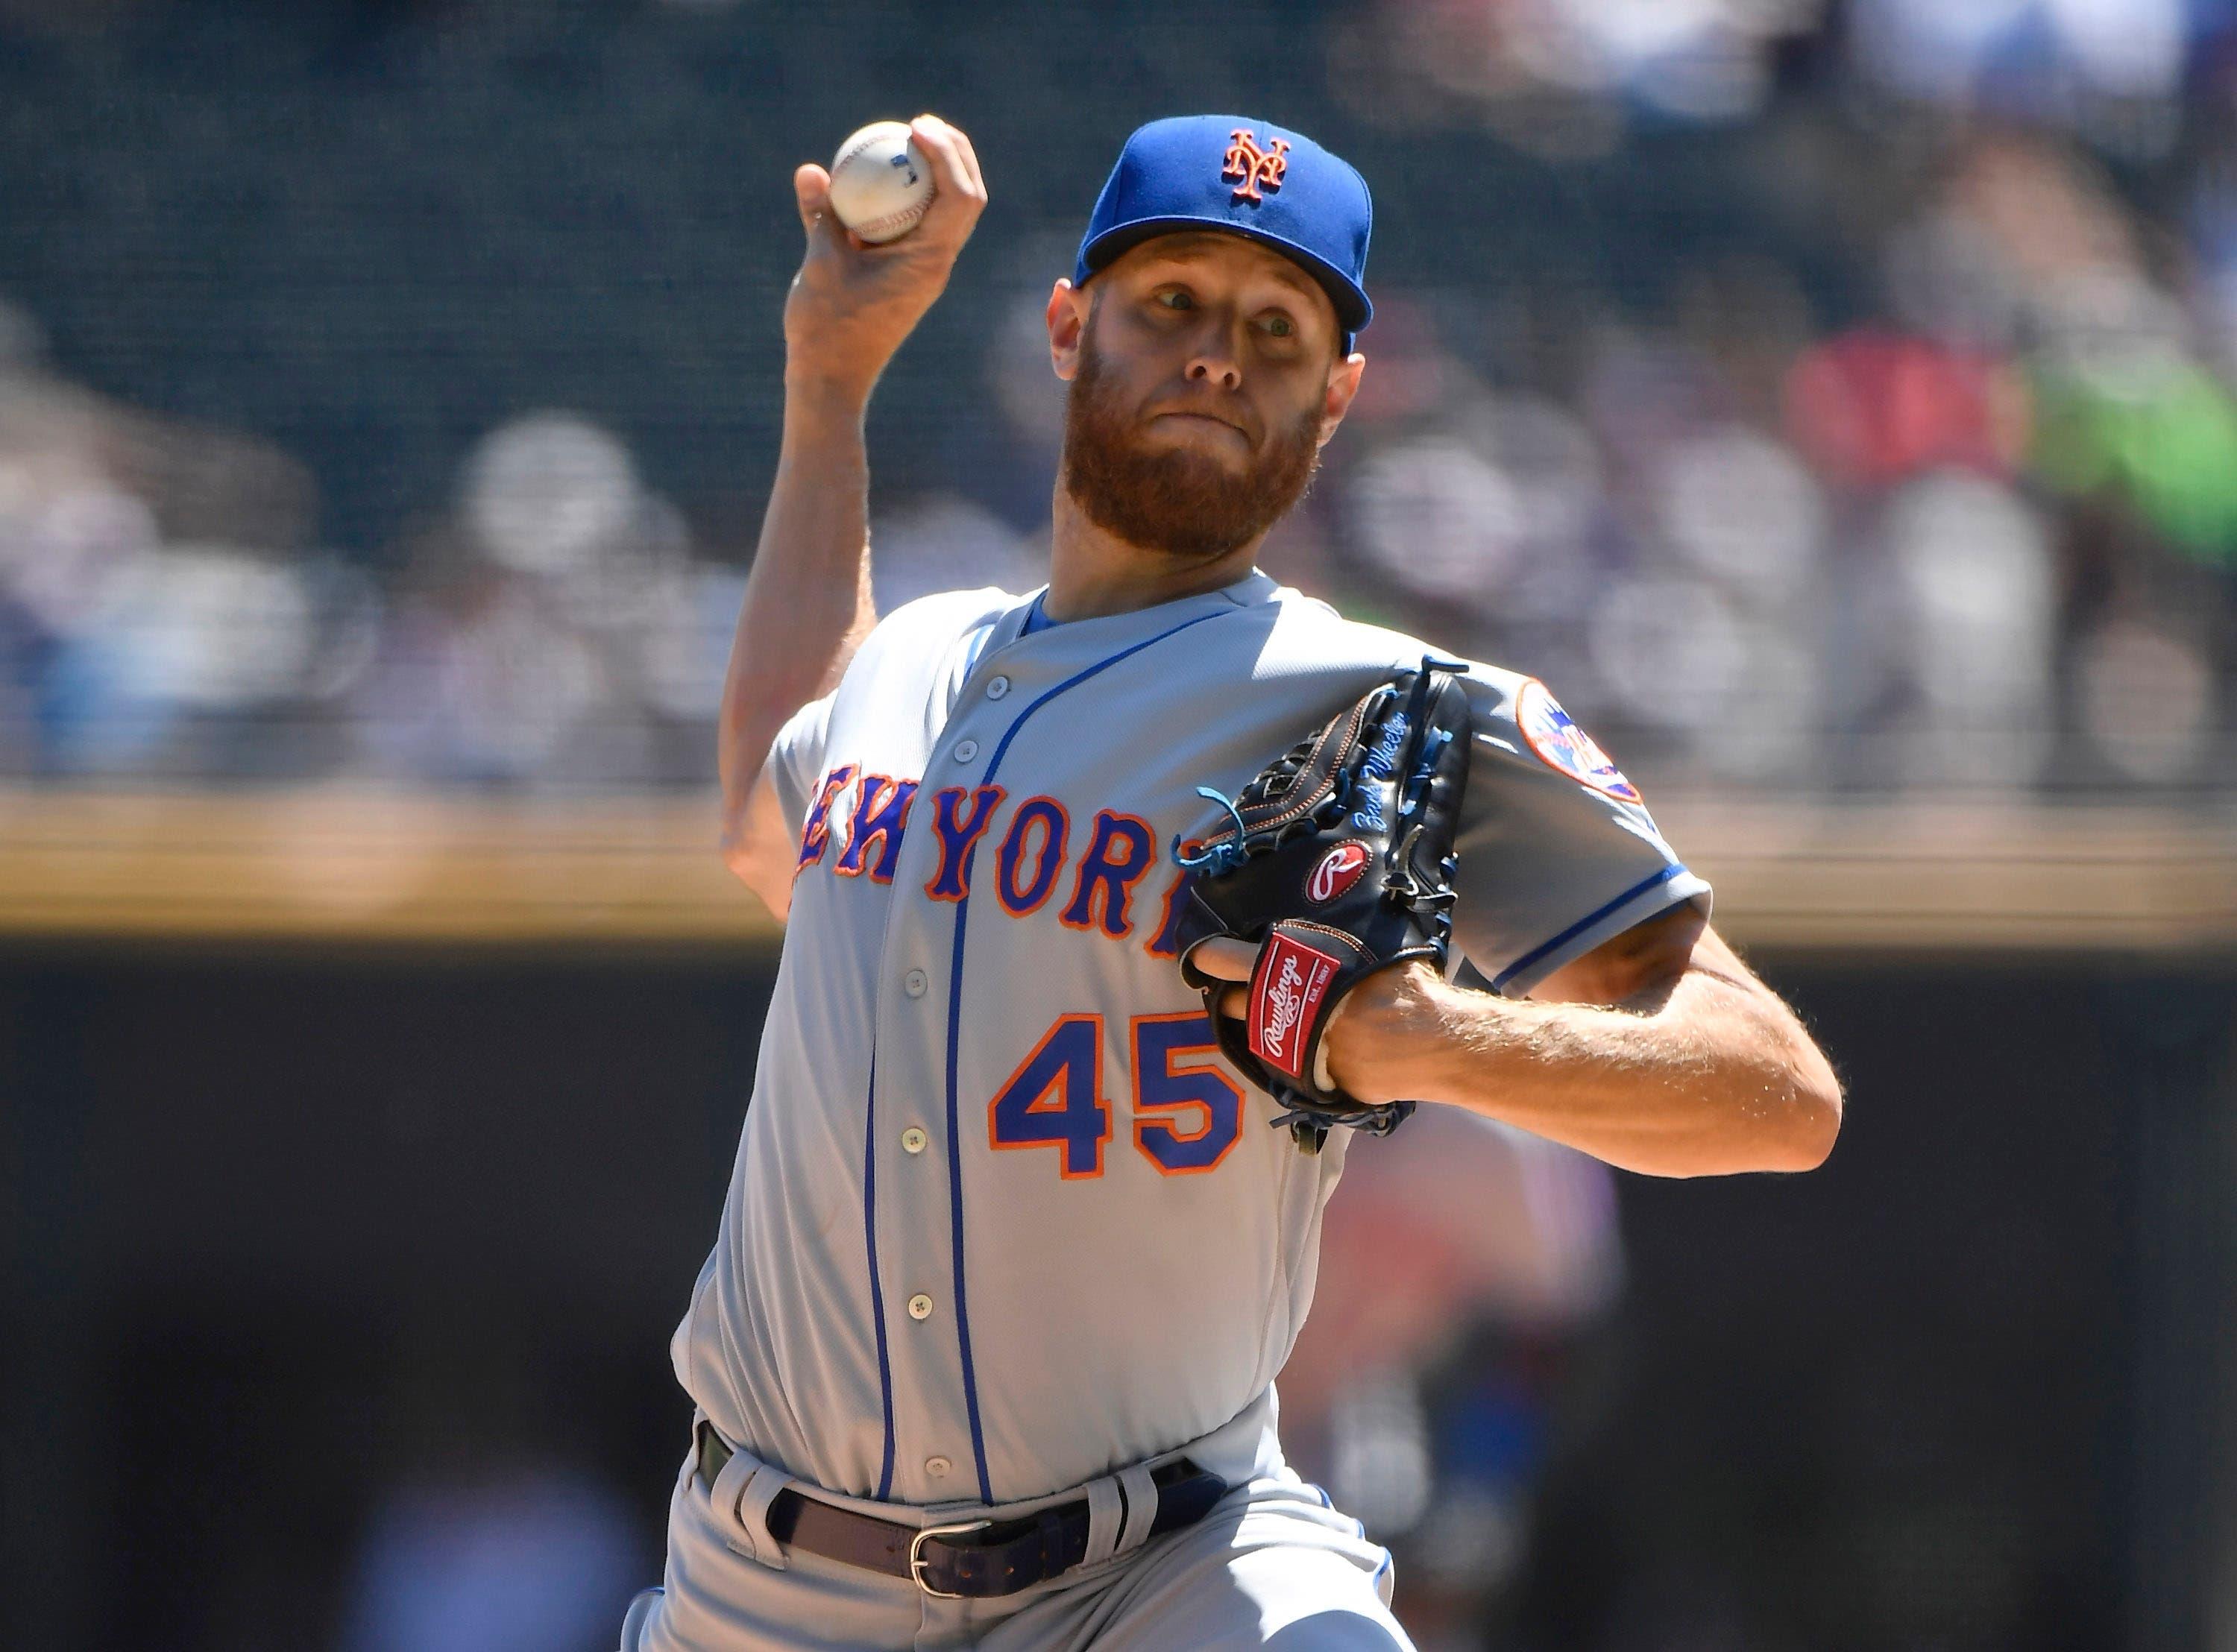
1336 861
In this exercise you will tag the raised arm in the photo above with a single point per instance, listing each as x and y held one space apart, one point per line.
807 602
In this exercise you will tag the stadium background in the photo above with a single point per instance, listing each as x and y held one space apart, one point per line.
1834 401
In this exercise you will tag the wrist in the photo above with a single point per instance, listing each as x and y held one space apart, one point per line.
823 398
1378 1039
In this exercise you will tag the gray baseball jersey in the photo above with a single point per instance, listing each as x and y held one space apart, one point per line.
1002 1218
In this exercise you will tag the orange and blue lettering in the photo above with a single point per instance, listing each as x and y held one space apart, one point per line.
1118 856
882 809
1187 1114
816 834
1055 1099
959 838
1048 814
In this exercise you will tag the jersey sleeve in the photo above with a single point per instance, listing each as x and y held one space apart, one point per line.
1557 852
795 758
918 654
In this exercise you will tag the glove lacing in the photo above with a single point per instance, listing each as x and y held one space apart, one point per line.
1306 1119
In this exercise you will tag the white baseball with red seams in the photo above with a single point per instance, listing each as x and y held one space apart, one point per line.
881 184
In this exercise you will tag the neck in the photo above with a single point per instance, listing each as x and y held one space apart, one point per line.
1093 572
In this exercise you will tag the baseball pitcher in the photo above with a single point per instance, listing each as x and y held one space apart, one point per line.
1116 914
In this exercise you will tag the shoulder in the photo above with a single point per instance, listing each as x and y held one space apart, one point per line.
937 619
919 641
1515 716
1309 625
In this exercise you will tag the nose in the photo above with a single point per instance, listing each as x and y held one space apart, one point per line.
1216 360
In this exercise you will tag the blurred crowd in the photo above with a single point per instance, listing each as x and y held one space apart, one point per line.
1964 517
1825 397
553 625
1983 539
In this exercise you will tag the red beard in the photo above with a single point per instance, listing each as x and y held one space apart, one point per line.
1172 500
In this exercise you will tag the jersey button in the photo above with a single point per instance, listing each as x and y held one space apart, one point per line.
914 983
996 688
966 750
913 1139
937 1466
919 1307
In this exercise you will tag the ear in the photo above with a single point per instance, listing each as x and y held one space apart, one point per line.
1068 320
1342 385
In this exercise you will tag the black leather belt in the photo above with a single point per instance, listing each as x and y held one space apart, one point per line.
970 1560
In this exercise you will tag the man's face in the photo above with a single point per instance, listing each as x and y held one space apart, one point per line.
1205 374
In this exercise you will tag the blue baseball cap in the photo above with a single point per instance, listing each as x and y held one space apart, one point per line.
1247 177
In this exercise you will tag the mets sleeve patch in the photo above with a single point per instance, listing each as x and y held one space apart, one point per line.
1553 735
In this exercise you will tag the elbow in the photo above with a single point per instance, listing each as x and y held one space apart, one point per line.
1813 1125
736 846
1793 1107
769 884
1783 1119
1806 1123
1773 1105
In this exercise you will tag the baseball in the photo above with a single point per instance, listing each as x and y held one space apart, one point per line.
881 184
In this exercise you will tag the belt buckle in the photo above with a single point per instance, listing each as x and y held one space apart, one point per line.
916 1559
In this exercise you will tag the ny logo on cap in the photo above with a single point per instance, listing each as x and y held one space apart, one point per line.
1255 166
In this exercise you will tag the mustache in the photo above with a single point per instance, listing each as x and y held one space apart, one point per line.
1234 417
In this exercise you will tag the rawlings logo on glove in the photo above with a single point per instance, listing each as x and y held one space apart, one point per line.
1285 991
1338 870
1356 824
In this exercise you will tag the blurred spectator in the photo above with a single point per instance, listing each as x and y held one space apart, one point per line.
2057 60
1459 1262
532 1561
945 543
1557 75
493 1537
1963 514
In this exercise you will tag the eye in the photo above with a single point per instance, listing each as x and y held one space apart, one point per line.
1279 325
1174 298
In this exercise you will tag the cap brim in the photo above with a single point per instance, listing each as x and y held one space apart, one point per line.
1352 309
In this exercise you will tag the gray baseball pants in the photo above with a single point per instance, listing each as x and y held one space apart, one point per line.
1272 1565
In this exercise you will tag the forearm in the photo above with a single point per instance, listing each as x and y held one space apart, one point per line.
807 602
1717 1078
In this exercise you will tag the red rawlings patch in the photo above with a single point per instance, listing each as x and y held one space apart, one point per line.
1285 996
1335 872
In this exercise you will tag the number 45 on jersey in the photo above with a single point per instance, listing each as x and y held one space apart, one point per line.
1187 1113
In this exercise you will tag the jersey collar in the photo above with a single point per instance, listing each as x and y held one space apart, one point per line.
1117 629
